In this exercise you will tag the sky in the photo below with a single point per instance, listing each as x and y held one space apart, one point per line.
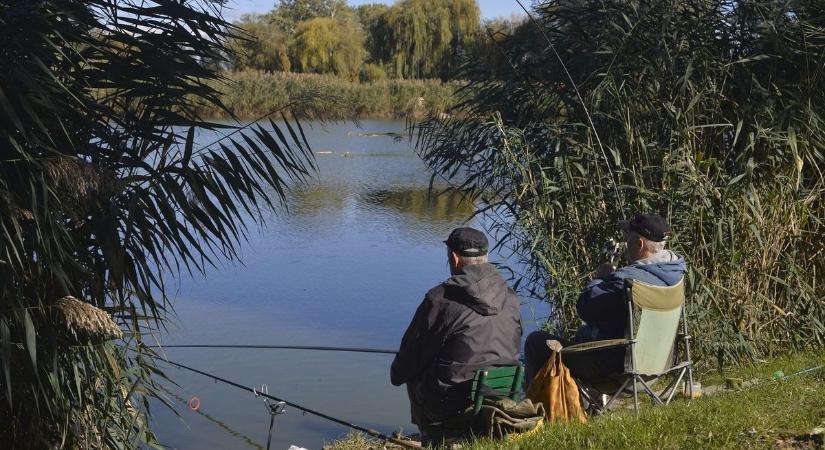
489 8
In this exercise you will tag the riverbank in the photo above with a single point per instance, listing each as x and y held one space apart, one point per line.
788 413
254 94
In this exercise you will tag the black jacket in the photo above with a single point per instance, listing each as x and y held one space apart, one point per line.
466 323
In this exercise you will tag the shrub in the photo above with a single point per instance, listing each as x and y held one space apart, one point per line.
254 94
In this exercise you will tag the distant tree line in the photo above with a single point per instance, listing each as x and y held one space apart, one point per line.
410 39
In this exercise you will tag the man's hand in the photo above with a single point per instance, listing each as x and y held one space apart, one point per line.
604 270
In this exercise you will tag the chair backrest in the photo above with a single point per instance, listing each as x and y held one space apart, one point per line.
504 381
660 308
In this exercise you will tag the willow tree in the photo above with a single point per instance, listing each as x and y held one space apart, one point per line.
104 194
373 18
261 46
289 13
710 112
326 45
430 37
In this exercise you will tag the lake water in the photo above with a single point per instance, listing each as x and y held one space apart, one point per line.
347 266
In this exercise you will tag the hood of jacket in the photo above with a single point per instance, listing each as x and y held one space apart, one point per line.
480 287
666 266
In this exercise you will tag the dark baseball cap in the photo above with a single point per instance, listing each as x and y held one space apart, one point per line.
467 242
650 226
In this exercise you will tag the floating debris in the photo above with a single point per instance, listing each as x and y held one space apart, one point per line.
391 134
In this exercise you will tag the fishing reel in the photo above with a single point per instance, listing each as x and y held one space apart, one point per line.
612 251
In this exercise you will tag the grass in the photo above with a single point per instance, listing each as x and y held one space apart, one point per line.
765 415
251 94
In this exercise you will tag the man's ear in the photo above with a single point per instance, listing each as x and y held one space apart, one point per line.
643 246
454 258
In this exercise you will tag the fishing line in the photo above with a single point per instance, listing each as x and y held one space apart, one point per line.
248 440
371 432
584 106
785 377
281 347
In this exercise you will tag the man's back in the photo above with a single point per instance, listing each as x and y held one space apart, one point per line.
466 323
603 305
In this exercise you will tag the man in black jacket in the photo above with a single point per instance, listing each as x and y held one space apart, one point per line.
470 321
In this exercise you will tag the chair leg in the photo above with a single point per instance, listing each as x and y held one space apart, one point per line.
673 385
690 377
593 407
635 395
650 392
616 395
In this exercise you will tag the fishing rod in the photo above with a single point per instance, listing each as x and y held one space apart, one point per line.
282 347
575 86
371 432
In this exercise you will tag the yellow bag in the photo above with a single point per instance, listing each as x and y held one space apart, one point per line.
557 391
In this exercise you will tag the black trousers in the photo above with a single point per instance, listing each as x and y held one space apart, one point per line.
589 366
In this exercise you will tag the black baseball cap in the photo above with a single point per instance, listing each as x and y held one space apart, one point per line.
650 226
468 242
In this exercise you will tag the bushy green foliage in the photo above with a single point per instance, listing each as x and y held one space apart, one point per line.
490 50
253 94
708 112
415 38
105 198
429 37
372 72
327 45
373 19
263 47
289 13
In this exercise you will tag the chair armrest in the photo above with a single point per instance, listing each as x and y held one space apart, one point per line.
597 345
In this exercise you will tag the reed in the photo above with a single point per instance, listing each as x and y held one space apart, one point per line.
697 115
106 196
251 94
83 321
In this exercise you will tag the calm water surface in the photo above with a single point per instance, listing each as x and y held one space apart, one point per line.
347 266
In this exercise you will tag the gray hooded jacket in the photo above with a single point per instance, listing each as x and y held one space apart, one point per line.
603 305
466 323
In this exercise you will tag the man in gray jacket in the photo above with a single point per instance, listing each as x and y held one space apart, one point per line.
602 304
470 321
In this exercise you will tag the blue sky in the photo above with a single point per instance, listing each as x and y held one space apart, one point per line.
489 8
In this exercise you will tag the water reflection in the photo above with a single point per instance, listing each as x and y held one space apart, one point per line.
420 204
323 207
317 199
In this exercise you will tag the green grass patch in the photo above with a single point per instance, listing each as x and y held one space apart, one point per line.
754 417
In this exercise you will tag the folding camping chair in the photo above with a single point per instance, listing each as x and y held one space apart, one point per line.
503 380
652 348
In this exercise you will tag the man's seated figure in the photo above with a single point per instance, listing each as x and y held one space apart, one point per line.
603 303
469 322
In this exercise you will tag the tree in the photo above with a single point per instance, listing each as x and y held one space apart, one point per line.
327 45
430 36
709 112
289 13
103 195
374 21
491 48
262 47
